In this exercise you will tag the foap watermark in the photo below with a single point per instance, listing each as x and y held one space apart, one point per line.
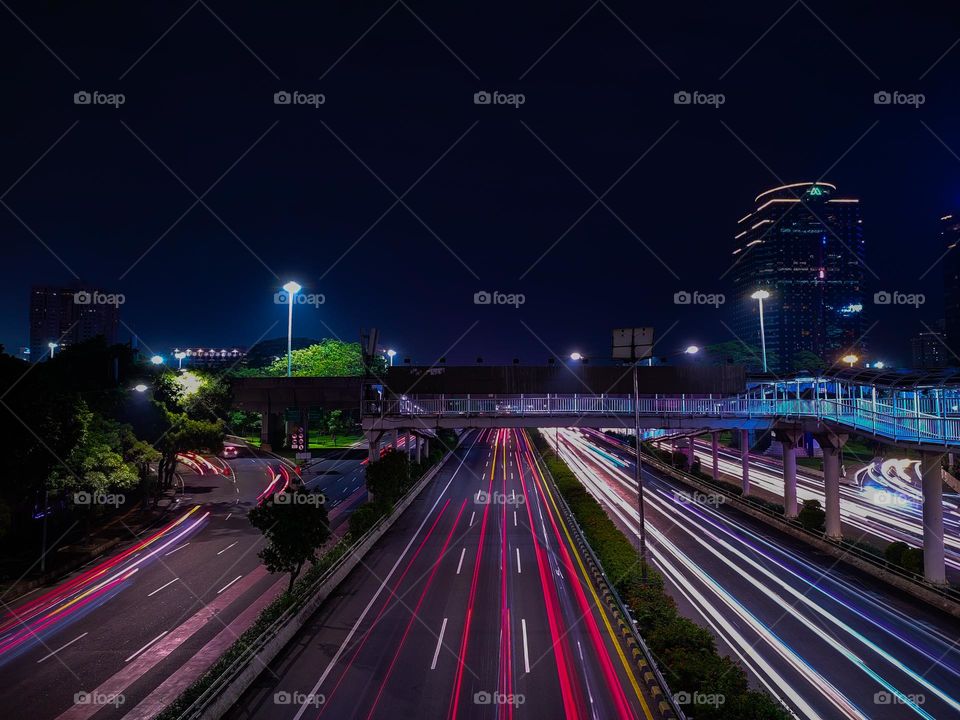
94 697
496 297
888 698
84 97
85 297
895 97
686 97
699 698
286 498
295 97
98 498
315 299
498 498
685 297
498 98
698 498
298 698
482 697
895 297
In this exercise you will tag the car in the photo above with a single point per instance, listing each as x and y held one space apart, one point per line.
230 451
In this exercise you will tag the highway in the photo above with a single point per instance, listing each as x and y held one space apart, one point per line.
882 503
474 604
827 641
118 629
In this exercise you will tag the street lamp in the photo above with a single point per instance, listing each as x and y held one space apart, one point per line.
53 346
760 296
391 354
292 289
180 356
850 359
140 388
692 350
157 359
575 356
879 365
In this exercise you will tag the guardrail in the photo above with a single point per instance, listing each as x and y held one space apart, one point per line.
896 421
659 690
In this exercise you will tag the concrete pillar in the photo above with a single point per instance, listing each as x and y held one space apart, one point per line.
691 451
373 446
715 451
392 439
831 444
934 569
426 446
416 439
745 459
789 479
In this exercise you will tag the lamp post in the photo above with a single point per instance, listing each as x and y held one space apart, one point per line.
851 359
180 356
575 356
157 359
292 289
391 354
53 346
760 296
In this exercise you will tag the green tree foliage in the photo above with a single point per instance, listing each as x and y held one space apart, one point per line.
389 478
294 530
328 358
812 515
335 424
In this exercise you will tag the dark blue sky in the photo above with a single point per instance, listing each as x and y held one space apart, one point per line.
399 81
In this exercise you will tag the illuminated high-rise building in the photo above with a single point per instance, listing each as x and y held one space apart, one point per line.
67 316
950 237
804 245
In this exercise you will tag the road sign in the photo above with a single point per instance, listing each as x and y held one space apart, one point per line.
632 343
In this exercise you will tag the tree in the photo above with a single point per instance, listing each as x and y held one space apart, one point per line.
336 424
328 358
389 477
294 524
806 360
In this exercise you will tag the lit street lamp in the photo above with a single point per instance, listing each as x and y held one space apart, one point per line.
391 354
760 296
53 346
180 356
157 359
575 356
292 289
140 388
850 359
692 350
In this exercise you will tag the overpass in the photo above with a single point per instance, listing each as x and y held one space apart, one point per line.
919 411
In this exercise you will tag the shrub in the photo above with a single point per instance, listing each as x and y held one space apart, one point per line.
812 515
894 553
912 560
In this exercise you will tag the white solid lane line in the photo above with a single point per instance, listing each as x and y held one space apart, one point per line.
436 653
162 587
146 646
176 549
229 584
45 657
228 547
526 650
460 564
519 571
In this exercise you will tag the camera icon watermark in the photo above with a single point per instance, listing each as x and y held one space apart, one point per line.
85 297
483 297
315 299
699 698
295 97
895 97
482 697
88 499
895 297
699 498
685 297
299 699
498 98
685 97
94 697
286 498
95 97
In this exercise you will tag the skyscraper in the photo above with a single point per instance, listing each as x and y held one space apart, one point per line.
67 316
804 245
950 237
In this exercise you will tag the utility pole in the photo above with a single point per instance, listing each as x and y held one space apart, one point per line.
638 471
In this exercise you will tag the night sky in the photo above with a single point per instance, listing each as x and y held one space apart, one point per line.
104 194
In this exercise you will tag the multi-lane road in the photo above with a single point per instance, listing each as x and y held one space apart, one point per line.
827 641
881 503
118 638
475 604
